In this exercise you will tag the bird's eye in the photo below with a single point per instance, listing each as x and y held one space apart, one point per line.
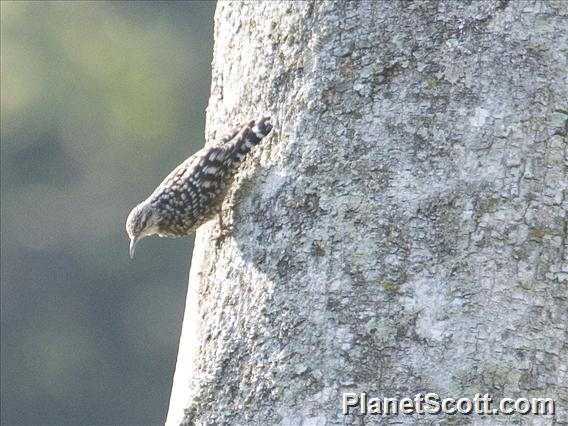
144 220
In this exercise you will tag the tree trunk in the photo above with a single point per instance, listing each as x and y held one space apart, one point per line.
402 230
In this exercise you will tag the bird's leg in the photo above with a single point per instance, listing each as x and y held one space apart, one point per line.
224 229
221 224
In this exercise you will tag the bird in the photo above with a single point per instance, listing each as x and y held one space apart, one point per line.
194 191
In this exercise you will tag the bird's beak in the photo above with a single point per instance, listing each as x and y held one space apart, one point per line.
133 242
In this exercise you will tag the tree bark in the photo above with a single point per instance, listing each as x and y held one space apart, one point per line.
402 230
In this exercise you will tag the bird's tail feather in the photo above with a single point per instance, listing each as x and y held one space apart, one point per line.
248 136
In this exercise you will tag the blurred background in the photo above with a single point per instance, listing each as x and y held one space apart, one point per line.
99 101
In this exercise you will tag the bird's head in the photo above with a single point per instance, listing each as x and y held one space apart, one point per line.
141 222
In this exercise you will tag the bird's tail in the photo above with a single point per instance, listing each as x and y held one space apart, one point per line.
248 136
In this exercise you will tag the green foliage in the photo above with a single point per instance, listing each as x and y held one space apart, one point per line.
99 101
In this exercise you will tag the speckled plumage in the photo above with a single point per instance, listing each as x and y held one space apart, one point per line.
193 192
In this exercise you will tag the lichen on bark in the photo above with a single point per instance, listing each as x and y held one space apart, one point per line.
403 229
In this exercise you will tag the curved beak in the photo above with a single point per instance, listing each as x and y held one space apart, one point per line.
133 242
